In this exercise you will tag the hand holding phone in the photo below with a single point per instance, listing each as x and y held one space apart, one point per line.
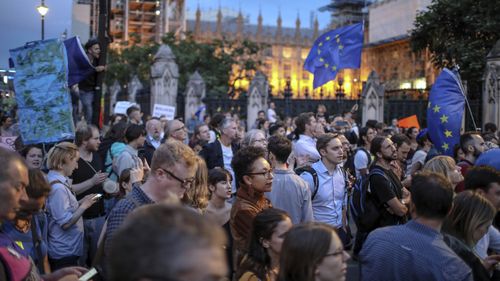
87 276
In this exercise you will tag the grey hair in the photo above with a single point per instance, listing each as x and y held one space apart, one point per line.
226 122
250 137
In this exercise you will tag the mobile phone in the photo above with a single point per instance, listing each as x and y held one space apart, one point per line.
97 196
91 273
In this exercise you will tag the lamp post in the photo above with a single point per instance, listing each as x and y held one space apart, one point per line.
43 10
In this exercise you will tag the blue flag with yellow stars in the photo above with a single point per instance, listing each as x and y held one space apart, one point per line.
445 112
334 50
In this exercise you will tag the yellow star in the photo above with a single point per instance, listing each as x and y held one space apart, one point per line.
436 108
341 47
334 68
444 119
448 134
326 65
321 60
320 44
327 38
445 146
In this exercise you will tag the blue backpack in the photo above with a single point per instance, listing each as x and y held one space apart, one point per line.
364 209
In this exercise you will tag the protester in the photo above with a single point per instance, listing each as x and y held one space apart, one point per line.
221 151
256 138
305 145
31 217
262 261
329 195
418 159
172 172
13 182
277 129
111 146
271 113
255 177
289 192
200 137
472 144
153 140
468 221
197 195
362 156
219 209
87 87
312 252
33 155
64 211
416 250
446 166
162 242
403 146
134 115
129 157
88 178
176 130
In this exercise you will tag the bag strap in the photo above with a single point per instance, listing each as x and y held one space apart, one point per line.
37 244
314 174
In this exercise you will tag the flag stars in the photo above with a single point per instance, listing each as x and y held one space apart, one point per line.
334 68
436 108
341 47
444 119
326 65
320 44
445 146
327 38
321 60
448 134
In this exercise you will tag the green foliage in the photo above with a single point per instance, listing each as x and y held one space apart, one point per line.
221 63
459 32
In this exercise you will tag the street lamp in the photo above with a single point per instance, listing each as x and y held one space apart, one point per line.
43 10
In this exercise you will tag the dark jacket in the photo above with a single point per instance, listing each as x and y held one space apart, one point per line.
212 153
147 151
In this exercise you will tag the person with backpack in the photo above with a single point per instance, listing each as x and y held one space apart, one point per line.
362 157
328 184
386 199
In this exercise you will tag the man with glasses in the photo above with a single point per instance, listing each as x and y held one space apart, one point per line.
176 130
172 172
329 197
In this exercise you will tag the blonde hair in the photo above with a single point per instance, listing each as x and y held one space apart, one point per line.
441 165
470 210
60 154
172 152
198 195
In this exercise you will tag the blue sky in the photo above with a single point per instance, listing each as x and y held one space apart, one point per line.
20 22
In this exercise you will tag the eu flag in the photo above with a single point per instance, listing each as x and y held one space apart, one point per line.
445 112
334 50
79 66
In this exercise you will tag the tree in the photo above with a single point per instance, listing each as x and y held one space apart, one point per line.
459 32
221 63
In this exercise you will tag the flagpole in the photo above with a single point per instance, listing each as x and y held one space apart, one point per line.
456 68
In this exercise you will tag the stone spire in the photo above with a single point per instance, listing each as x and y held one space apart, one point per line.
197 25
259 27
239 22
316 29
279 31
297 29
218 29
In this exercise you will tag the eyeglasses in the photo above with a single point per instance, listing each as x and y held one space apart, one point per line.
181 128
336 253
267 174
186 183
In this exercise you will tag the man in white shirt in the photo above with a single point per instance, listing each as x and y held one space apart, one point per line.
305 147
271 113
362 157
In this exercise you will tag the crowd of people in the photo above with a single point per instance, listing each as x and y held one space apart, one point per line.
156 199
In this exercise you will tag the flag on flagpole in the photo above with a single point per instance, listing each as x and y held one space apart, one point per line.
79 66
408 122
335 50
445 111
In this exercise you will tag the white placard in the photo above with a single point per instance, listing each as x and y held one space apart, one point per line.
8 142
122 106
164 110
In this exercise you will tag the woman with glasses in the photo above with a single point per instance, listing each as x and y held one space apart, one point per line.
312 252
256 138
262 261
254 176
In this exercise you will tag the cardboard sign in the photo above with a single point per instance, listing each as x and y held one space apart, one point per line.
122 106
164 110
8 142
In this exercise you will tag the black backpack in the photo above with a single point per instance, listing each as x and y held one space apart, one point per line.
349 164
314 174
364 209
